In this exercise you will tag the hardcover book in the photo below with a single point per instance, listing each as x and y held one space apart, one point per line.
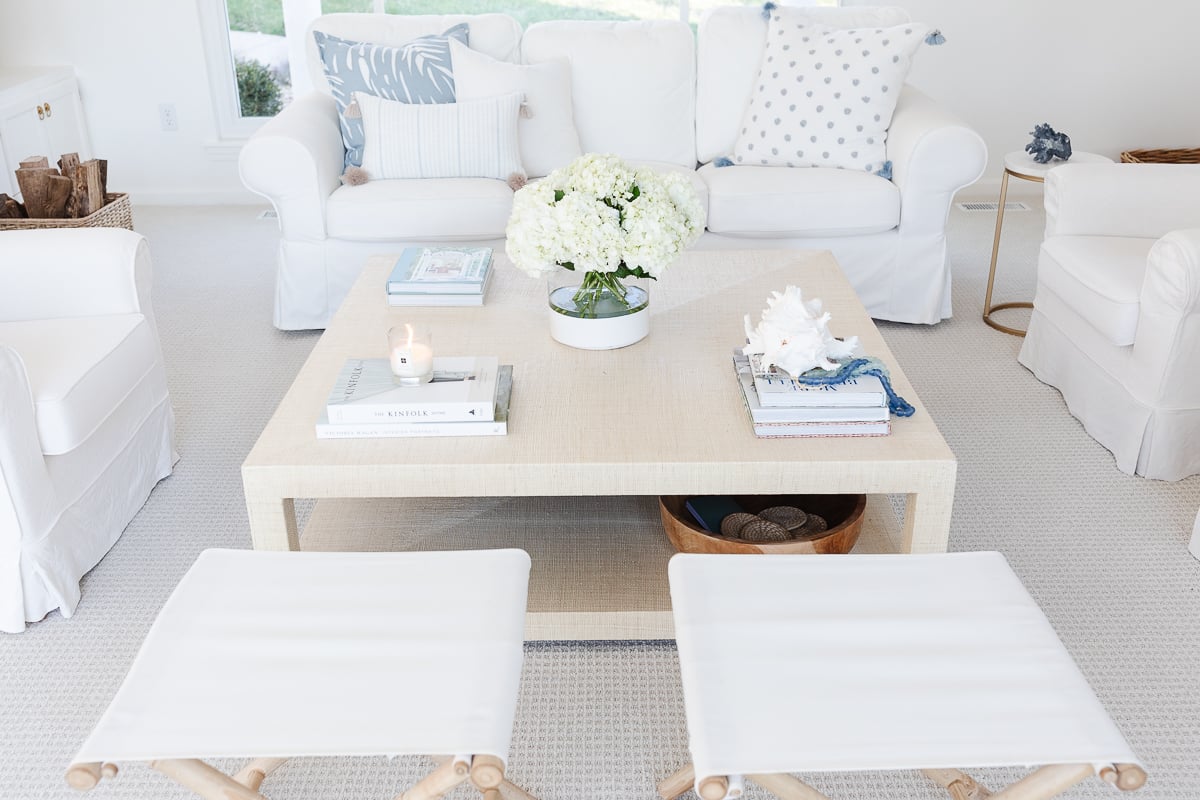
383 430
794 414
440 270
780 390
462 390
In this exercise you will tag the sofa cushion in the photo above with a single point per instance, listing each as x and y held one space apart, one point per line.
729 50
547 125
633 82
416 72
420 209
82 368
784 201
825 97
498 35
1099 278
471 139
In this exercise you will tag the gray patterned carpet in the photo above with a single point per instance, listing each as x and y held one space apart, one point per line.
1104 554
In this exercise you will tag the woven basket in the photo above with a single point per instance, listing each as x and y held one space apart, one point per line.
1184 156
115 213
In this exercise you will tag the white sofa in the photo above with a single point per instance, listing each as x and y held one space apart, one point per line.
86 429
1116 314
651 93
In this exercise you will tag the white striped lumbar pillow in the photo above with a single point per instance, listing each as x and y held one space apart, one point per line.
473 139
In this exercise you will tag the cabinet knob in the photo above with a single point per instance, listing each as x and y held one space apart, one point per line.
41 113
47 107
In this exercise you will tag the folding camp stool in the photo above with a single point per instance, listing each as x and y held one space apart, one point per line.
877 662
324 654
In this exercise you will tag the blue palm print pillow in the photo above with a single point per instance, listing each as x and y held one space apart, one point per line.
419 71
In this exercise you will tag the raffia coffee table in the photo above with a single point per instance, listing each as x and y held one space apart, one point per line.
594 438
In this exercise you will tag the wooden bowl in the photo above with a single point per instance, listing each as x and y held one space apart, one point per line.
843 512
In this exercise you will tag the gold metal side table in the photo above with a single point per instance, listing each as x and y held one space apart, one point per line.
1020 164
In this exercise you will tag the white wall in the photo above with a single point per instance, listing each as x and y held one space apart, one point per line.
130 56
1114 77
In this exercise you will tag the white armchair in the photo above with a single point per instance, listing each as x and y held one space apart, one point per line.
1116 318
85 421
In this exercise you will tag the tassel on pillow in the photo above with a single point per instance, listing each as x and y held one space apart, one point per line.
935 38
885 171
723 161
355 176
767 9
353 111
516 181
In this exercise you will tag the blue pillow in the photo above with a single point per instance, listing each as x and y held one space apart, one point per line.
419 71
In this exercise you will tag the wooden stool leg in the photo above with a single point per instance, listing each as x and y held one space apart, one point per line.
86 776
487 772
206 781
787 787
1125 777
254 773
677 784
714 787
510 791
450 774
960 785
1045 782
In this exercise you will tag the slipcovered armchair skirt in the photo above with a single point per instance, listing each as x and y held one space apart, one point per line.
1116 314
85 420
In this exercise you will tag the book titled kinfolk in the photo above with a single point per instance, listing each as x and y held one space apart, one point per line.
781 391
440 270
462 390
385 430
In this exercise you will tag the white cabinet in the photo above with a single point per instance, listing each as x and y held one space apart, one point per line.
40 115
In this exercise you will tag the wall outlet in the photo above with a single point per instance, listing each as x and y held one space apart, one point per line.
167 117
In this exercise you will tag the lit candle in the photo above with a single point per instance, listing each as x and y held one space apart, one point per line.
411 354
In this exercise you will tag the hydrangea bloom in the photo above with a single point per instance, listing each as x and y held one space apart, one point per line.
794 336
599 215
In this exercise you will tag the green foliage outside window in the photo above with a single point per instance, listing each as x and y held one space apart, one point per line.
258 91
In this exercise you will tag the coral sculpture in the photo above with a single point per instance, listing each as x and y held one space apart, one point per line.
1048 144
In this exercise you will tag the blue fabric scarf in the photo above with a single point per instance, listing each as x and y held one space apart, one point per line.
852 369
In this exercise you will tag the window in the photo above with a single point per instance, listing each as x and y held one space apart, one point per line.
256 48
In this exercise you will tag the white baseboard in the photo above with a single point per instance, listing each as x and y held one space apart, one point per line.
989 189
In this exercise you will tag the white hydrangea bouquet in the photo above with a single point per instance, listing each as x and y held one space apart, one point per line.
602 218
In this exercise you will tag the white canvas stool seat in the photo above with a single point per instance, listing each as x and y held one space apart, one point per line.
324 654
875 662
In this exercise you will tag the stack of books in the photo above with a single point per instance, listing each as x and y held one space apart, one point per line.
781 407
467 397
440 276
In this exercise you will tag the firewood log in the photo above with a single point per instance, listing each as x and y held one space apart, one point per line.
68 163
34 162
35 188
59 193
10 208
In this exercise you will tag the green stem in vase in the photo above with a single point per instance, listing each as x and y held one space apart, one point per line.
592 289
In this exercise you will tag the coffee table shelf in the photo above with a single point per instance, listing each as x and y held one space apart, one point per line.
599 563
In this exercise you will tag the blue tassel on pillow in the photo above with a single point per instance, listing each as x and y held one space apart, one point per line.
767 9
885 171
935 37
722 161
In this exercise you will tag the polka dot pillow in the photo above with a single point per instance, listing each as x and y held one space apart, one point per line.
824 97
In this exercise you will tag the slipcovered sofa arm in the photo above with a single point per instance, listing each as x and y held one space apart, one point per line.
26 495
1139 200
933 155
1166 348
295 161
79 272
